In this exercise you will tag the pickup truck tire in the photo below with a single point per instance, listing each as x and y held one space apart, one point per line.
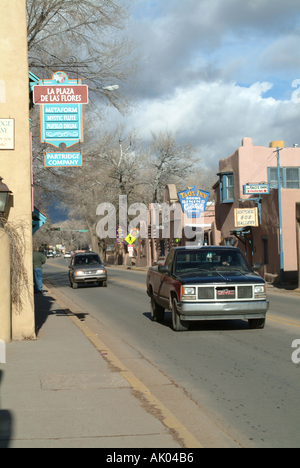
257 324
178 325
157 312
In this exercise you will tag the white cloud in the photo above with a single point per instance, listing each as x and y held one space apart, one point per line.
217 71
216 116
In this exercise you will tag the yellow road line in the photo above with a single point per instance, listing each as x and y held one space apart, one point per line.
283 320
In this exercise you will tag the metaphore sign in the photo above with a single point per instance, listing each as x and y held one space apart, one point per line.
244 217
7 134
251 189
61 116
63 159
193 201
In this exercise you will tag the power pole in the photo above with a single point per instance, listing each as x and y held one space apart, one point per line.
280 219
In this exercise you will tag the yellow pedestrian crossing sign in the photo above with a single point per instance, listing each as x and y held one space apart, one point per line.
130 239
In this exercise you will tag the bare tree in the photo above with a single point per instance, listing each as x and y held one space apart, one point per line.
168 162
203 178
114 163
82 38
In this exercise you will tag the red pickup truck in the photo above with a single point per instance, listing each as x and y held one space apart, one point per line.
207 283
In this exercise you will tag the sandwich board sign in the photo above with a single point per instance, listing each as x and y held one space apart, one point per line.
61 117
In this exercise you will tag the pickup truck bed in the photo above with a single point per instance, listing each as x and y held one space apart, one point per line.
207 283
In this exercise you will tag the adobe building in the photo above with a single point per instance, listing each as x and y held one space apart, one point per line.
15 152
258 236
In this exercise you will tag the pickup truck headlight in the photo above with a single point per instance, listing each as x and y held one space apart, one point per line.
100 271
260 291
79 273
188 293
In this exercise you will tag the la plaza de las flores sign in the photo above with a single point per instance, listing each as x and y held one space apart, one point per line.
60 90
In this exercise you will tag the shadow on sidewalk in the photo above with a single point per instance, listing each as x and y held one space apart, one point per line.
6 423
45 306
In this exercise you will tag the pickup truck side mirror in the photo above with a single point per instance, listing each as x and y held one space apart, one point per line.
257 266
163 269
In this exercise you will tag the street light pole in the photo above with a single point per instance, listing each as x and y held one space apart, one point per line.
280 219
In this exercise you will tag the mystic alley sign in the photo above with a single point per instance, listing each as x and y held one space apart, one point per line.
61 101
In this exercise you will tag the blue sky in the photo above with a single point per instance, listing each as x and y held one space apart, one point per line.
215 71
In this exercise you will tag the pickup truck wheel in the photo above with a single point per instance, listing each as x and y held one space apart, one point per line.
157 312
178 325
257 324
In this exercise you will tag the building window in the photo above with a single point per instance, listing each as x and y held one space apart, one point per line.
292 177
226 188
289 177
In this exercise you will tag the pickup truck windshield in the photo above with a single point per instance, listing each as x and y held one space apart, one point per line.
213 260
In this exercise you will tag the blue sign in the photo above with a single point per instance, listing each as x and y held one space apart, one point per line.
260 189
63 159
60 122
193 201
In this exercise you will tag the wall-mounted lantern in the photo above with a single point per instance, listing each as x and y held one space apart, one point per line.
4 192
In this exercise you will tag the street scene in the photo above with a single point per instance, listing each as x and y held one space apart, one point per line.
240 384
149 226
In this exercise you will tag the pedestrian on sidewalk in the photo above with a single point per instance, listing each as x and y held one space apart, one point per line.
39 260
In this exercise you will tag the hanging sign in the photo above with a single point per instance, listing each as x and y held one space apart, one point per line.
61 101
244 217
63 159
251 189
193 201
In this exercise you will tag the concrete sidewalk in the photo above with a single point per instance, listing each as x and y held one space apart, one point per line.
61 391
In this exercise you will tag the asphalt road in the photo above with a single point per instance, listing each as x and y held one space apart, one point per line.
243 380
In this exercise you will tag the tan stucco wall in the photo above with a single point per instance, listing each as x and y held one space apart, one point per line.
15 165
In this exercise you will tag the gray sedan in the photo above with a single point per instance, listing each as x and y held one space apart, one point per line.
86 269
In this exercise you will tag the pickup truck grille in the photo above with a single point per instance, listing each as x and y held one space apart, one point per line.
206 293
224 293
245 292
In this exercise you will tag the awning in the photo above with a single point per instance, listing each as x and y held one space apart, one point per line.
38 220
